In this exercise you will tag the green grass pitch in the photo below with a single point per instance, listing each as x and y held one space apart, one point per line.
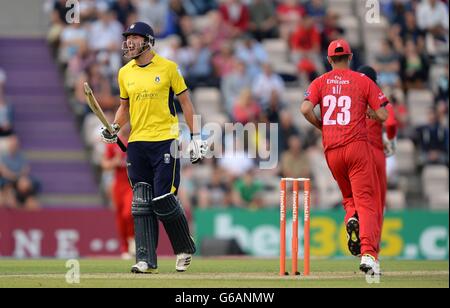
222 272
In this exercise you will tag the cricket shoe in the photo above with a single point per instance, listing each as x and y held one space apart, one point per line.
370 265
183 262
142 268
354 242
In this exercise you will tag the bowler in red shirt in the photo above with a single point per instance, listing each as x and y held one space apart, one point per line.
344 97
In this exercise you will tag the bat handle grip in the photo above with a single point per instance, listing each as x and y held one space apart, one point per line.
121 145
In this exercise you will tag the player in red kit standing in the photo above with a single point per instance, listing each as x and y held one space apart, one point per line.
383 143
344 97
122 195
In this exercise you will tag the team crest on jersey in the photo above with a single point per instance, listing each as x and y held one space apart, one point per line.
157 79
307 93
167 159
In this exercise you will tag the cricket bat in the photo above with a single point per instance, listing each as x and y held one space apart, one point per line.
97 110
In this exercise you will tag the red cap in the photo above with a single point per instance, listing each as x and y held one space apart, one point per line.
339 48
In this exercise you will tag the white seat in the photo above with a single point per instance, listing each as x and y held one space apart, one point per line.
207 101
434 180
283 67
419 103
440 201
405 156
395 200
351 27
343 7
277 50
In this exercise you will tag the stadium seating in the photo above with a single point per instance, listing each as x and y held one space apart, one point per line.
406 157
435 180
419 103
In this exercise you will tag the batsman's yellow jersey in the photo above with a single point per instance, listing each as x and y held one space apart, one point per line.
150 92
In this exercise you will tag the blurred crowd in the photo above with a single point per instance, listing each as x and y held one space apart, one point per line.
253 53
18 189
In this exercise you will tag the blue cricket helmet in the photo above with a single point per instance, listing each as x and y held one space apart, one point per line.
141 29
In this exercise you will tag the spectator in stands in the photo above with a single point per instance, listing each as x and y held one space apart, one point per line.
179 16
387 65
432 141
237 15
78 64
252 53
442 114
197 60
246 109
395 11
235 161
316 9
286 130
233 84
432 17
123 10
110 30
331 30
19 188
58 21
223 62
307 70
60 11
199 7
442 94
305 42
217 33
217 192
412 32
414 67
230 65
6 121
6 116
266 82
101 87
156 13
295 163
72 39
263 20
88 9
247 190
289 13
397 99
172 50
276 105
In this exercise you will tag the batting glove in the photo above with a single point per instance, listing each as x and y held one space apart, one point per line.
390 145
107 137
198 148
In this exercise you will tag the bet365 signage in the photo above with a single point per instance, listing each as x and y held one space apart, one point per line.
406 234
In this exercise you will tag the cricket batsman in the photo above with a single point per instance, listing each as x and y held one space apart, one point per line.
344 97
383 143
147 85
